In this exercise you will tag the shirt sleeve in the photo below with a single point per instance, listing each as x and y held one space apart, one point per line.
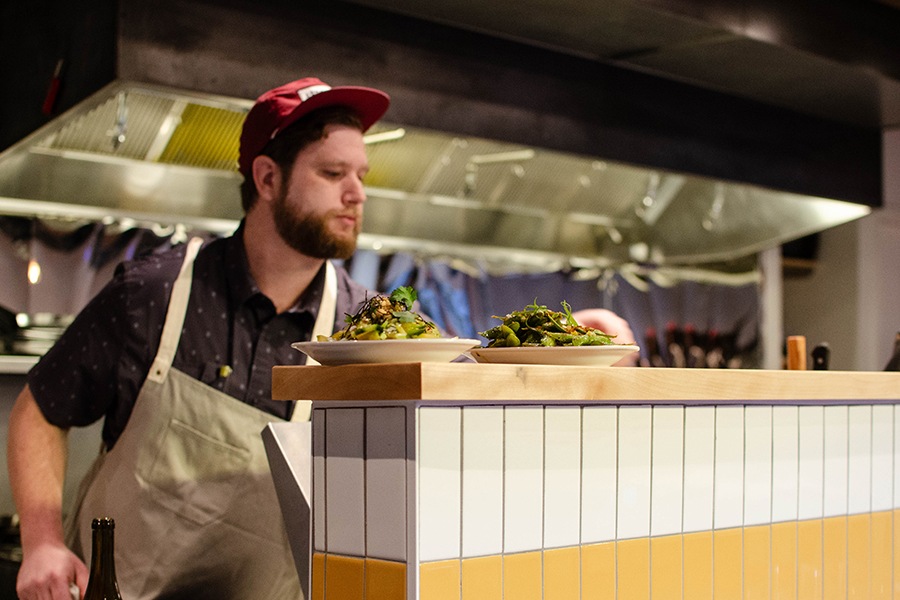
75 383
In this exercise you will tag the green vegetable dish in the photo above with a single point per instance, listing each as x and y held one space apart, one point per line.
386 318
537 325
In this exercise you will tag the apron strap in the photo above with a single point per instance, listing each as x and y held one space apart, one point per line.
178 303
324 326
325 319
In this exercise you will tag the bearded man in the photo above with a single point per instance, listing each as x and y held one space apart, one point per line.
176 355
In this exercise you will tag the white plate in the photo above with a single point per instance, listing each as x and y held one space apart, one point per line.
590 356
347 352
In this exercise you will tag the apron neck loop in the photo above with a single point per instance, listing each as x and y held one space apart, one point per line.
178 303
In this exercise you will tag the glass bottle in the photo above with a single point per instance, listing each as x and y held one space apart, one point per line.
894 362
652 357
102 584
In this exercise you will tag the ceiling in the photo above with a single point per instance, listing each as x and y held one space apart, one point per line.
822 59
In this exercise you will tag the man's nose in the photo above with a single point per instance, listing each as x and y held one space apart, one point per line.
355 192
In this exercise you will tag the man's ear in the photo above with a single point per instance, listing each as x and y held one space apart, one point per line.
267 176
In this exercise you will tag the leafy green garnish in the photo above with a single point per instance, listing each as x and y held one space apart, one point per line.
405 295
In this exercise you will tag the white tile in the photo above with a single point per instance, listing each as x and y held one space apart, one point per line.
757 465
599 447
319 507
836 438
729 475
811 470
562 476
439 473
859 459
523 495
785 462
882 457
633 515
345 481
896 458
699 463
482 481
386 509
667 471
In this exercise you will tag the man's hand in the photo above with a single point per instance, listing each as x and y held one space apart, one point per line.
47 572
609 322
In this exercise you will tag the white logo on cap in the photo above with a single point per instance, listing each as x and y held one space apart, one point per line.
307 93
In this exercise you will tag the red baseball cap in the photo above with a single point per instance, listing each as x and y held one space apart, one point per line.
280 107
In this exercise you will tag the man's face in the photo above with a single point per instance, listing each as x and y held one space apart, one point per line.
319 210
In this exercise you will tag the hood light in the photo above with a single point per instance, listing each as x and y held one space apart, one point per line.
715 211
501 157
384 136
34 272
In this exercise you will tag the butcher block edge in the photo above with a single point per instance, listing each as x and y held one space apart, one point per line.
507 382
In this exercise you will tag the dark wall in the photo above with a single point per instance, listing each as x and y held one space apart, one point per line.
34 37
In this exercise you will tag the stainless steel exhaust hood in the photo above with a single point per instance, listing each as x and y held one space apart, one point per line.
168 156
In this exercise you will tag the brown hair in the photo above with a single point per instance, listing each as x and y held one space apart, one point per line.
285 146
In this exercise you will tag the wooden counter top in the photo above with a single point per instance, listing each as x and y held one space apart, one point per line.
473 381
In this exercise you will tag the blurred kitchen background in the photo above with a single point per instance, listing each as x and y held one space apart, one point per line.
721 173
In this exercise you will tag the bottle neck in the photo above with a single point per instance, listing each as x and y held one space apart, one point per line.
102 552
894 361
102 583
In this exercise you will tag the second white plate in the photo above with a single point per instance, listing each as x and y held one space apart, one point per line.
592 356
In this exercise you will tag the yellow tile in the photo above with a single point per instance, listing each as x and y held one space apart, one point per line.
633 569
834 561
896 553
598 571
858 556
666 567
896 562
809 560
698 565
439 580
318 577
784 561
727 563
344 577
482 578
562 576
522 576
385 580
757 562
882 549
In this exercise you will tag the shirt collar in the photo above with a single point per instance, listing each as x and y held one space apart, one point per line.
243 289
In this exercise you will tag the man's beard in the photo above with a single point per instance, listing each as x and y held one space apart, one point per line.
309 234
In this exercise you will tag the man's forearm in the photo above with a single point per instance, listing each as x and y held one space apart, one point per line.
36 456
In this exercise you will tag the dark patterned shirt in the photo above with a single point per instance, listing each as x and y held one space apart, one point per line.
98 366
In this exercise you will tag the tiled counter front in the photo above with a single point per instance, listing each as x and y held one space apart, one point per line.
762 485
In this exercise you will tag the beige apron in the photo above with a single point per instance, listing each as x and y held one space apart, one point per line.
188 484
